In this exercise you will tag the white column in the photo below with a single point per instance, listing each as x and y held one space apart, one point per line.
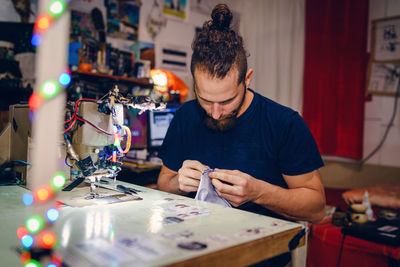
51 61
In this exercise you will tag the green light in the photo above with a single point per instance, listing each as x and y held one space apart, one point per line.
57 7
58 180
114 167
32 263
34 224
50 89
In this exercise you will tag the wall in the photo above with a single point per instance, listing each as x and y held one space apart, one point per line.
384 166
176 32
379 110
349 175
8 13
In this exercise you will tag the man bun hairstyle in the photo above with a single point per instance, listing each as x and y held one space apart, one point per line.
221 17
218 47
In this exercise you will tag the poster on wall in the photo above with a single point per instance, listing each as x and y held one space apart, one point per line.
174 58
177 9
82 25
387 39
155 21
123 19
202 6
87 6
384 64
384 78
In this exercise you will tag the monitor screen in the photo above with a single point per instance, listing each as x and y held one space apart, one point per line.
159 121
138 126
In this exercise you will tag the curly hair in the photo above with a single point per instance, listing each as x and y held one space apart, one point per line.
218 47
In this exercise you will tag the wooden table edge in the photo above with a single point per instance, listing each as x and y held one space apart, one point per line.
246 253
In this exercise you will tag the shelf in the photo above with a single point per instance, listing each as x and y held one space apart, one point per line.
141 81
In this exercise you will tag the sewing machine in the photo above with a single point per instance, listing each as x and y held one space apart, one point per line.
94 132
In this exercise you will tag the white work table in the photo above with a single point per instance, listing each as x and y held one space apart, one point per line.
160 230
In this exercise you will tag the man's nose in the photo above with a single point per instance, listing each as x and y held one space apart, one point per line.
216 111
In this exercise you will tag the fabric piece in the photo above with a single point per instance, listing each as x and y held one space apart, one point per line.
206 191
335 75
268 140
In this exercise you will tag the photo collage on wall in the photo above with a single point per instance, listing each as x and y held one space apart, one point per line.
123 19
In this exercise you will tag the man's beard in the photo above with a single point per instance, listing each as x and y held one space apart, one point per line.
227 122
222 125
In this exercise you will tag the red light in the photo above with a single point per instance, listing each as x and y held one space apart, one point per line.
21 231
114 157
47 240
43 193
43 22
25 256
35 101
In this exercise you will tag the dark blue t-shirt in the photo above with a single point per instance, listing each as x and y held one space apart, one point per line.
267 141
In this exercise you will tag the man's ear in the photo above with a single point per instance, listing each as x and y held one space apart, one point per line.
249 76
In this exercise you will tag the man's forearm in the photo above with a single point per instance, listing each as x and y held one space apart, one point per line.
297 203
169 184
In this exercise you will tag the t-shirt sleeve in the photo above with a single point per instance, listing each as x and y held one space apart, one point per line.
171 149
298 152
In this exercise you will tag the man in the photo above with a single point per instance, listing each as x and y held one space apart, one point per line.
265 158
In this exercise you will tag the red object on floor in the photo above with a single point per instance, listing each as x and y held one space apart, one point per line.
324 248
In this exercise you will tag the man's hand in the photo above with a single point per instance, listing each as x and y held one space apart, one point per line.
189 175
244 187
303 200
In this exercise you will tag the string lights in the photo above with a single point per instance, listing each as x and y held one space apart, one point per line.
36 231
37 240
49 88
36 237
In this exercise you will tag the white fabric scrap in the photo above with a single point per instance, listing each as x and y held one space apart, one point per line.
206 191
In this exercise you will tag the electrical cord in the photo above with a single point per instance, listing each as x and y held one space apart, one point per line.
86 121
66 162
379 146
341 250
83 120
23 162
72 123
75 116
94 126
70 119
